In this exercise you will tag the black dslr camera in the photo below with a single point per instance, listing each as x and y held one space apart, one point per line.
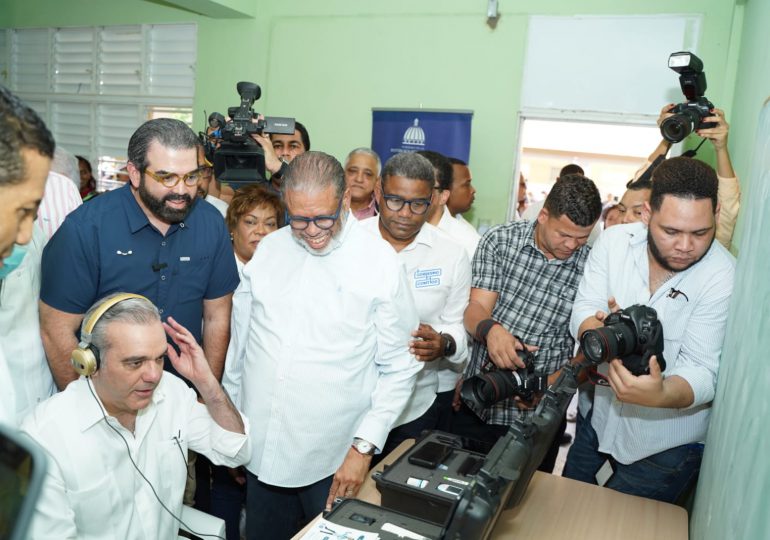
489 387
633 334
239 160
688 116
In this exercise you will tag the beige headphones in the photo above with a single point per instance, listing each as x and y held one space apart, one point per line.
85 359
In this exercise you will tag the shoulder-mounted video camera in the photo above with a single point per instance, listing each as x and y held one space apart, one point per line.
238 159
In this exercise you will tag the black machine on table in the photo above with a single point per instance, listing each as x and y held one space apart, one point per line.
446 487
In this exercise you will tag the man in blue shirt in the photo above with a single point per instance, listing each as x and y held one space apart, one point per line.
152 237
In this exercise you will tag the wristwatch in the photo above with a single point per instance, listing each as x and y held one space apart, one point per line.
363 447
450 347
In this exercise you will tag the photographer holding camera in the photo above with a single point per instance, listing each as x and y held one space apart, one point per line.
525 277
650 427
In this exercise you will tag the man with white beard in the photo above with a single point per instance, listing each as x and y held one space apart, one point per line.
323 319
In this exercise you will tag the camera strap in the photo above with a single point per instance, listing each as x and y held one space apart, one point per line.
597 378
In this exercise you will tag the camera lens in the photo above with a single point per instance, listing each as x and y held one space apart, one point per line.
676 128
614 341
595 346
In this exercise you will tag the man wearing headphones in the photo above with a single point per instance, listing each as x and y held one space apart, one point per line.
118 436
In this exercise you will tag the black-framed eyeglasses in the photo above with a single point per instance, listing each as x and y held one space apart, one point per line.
300 223
416 206
190 179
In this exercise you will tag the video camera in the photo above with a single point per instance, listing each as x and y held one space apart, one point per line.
688 116
238 159
489 387
633 334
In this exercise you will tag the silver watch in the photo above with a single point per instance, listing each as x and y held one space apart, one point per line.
363 447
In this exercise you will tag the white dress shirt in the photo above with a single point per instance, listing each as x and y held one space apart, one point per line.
92 491
20 330
60 198
7 394
323 341
693 330
218 203
465 235
439 274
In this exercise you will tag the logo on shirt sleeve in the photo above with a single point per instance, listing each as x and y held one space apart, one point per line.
429 277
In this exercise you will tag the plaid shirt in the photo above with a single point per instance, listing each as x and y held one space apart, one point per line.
535 297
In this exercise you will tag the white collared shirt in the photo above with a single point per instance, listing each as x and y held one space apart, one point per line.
61 197
439 275
20 330
323 341
92 490
218 203
694 324
465 235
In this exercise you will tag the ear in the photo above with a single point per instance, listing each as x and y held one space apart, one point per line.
444 197
134 176
346 200
646 213
378 191
543 216
717 214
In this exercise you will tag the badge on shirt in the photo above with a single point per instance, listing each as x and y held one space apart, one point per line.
429 277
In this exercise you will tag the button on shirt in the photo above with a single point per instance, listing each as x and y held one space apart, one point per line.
694 324
534 301
439 275
109 245
323 341
92 490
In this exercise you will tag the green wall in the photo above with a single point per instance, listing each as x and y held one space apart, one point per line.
734 485
329 62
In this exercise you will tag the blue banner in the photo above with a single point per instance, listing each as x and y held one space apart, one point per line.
395 131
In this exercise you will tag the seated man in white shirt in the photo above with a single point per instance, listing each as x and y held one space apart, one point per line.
439 275
651 428
323 316
118 436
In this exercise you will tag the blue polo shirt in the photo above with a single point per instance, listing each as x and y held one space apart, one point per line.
109 245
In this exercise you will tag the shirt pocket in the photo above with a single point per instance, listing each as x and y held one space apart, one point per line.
193 274
172 468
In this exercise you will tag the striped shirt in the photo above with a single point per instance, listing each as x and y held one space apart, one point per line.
693 330
534 301
61 197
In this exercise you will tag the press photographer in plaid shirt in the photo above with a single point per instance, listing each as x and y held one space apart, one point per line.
525 277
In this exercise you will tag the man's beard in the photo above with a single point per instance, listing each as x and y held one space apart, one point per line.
333 244
158 206
658 256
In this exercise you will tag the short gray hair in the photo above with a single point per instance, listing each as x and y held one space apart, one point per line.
312 172
409 165
170 133
367 152
66 164
131 310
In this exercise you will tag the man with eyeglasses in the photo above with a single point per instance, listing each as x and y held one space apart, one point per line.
439 275
323 321
151 237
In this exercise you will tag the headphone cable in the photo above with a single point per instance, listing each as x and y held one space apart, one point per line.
128 451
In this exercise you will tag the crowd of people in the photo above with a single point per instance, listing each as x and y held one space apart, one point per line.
256 351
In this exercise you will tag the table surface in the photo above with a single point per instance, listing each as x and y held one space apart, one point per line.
555 508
